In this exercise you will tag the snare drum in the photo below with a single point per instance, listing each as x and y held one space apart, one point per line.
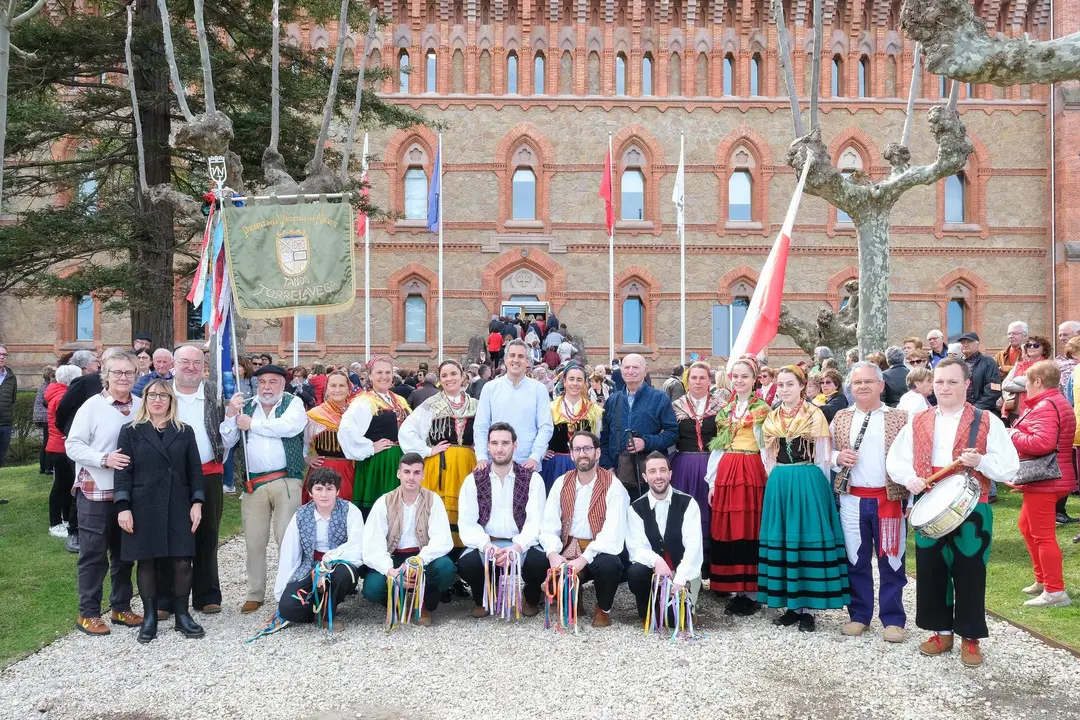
946 506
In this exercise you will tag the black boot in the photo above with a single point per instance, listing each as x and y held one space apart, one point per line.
148 629
184 622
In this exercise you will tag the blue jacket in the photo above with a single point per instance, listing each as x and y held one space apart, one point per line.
145 380
652 419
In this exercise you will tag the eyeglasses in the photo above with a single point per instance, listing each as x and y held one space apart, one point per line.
918 362
122 373
583 450
189 363
1032 345
158 396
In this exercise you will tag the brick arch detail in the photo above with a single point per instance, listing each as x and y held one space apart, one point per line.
395 166
650 297
540 262
524 134
395 286
974 283
834 285
67 316
862 142
761 174
636 134
976 172
725 283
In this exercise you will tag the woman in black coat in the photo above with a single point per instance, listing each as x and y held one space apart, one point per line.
159 498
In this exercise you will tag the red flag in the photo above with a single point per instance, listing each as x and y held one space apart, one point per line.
605 192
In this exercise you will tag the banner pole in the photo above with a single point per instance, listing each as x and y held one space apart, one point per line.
441 302
367 269
296 338
611 269
236 365
682 262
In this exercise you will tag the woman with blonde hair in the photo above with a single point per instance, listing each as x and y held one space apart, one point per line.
695 413
159 496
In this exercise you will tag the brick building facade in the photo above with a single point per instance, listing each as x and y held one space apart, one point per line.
529 94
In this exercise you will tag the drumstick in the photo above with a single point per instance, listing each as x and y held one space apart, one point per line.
944 472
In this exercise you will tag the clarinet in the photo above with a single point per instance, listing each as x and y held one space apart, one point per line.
843 483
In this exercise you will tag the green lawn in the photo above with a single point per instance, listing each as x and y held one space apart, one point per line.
1010 570
37 576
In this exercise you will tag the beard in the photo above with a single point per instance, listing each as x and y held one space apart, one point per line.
585 464
272 400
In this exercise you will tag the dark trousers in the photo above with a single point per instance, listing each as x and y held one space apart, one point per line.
61 505
534 567
342 582
639 578
950 592
99 552
439 574
176 569
605 571
5 442
44 463
628 469
205 586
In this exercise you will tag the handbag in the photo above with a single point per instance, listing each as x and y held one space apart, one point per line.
1043 467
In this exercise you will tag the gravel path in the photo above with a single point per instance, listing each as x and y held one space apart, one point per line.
464 668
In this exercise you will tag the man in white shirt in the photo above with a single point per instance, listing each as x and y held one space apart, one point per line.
871 504
566 350
408 522
273 450
663 536
951 590
326 533
584 523
499 510
520 401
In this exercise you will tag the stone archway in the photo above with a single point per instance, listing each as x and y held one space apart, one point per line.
524 271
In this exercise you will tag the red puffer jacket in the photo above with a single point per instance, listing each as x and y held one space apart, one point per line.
1049 424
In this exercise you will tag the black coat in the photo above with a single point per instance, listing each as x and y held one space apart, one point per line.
833 405
161 482
985 388
79 391
895 385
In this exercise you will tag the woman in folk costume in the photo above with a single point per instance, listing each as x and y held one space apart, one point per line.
441 430
571 412
369 435
321 435
696 414
736 479
802 564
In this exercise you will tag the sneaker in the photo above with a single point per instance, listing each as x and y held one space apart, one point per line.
228 489
894 634
1033 589
1062 519
1049 599
72 543
58 531
92 626
936 645
970 654
126 618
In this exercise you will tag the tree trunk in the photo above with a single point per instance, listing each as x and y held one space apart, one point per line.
152 261
873 234
5 62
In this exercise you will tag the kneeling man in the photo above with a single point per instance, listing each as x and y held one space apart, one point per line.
499 509
407 522
323 530
584 523
663 535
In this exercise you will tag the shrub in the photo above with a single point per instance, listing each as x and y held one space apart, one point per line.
25 435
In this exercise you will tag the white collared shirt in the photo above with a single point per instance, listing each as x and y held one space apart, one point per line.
351 551
191 409
376 552
501 523
640 549
869 470
1000 463
265 452
612 536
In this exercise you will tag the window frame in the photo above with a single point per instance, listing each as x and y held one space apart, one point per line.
404 71
513 80
431 72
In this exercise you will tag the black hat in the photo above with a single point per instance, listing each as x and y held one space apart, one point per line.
268 369
968 337
142 336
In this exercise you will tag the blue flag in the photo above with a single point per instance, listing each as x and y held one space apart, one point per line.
433 194
228 380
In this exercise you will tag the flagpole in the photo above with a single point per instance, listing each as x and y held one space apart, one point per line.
236 365
680 223
441 302
296 338
611 268
367 268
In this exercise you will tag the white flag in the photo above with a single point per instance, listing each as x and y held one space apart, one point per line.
678 194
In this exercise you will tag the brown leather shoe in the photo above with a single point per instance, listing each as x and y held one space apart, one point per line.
163 614
339 627
970 654
250 606
529 610
600 618
425 617
92 626
126 618
210 609
480 611
936 645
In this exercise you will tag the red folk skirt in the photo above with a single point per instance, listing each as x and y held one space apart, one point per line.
738 491
345 468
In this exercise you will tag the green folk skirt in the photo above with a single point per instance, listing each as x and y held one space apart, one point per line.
801 558
376 476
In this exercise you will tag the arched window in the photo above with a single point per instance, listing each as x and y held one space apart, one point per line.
538 74
620 74
701 75
646 75
632 194
306 328
729 76
483 75
837 76
415 319
674 85
850 162
755 75
84 319
348 58
194 329
864 76
566 73
955 198
633 325
485 12
969 91
416 191
727 320
957 320
457 72
943 86
740 204
593 73
841 216
403 71
524 195
431 71
890 76
511 73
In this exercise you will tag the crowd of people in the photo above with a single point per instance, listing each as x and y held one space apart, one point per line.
776 485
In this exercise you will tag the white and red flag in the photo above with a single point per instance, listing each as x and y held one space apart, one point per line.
763 316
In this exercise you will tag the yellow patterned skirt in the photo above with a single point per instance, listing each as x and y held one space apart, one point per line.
444 474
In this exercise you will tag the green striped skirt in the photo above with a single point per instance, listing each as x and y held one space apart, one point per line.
376 476
801 558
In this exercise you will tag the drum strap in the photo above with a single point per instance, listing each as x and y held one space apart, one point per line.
973 432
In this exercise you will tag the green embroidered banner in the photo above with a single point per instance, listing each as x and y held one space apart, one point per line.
290 257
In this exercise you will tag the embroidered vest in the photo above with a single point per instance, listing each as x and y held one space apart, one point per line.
294 446
337 534
922 426
522 478
670 545
894 421
597 503
395 514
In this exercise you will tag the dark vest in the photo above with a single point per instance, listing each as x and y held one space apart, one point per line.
522 478
670 546
337 534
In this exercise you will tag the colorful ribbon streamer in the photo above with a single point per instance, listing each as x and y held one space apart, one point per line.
502 588
562 589
276 623
404 602
664 598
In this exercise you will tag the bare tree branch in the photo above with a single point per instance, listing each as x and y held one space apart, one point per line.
135 102
815 64
785 64
170 56
350 140
204 54
23 17
275 78
913 90
335 77
22 53
958 46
